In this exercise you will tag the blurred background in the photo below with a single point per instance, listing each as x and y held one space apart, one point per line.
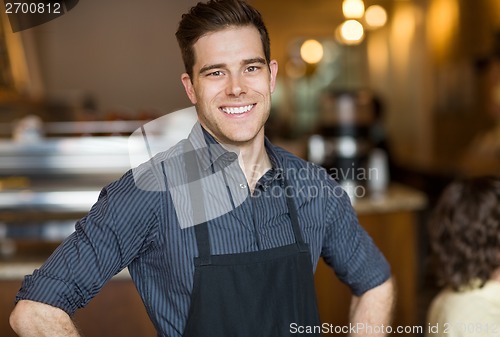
394 97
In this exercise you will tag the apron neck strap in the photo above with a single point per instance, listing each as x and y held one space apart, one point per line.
196 196
294 217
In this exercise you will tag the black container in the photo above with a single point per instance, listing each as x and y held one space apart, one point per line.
346 118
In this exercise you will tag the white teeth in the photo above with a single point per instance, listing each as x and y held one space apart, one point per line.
238 110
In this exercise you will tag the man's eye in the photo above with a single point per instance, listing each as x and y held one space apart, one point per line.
252 69
215 73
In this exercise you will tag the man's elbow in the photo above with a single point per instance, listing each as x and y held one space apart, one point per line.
29 316
19 317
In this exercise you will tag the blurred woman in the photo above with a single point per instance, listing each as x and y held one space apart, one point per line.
465 241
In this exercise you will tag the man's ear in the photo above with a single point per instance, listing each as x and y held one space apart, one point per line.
273 67
188 86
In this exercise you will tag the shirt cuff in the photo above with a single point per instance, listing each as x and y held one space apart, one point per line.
49 290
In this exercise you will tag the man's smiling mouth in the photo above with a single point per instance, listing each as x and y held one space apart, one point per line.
237 110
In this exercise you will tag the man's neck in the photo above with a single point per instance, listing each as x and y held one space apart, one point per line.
252 157
254 160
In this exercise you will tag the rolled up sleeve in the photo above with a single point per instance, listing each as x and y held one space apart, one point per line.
350 251
117 228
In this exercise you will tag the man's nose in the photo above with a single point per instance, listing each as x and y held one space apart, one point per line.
236 86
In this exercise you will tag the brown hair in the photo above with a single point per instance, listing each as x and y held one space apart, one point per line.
465 232
214 16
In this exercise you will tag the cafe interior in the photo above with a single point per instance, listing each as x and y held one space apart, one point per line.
395 98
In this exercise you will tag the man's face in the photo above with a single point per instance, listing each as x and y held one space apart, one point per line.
232 84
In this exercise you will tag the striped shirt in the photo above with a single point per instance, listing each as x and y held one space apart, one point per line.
140 222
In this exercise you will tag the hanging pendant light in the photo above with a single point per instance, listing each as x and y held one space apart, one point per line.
353 9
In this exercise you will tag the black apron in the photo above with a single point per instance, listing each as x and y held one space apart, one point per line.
266 293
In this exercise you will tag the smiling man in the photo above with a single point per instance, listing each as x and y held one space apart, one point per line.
247 271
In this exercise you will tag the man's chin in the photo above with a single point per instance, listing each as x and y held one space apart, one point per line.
238 139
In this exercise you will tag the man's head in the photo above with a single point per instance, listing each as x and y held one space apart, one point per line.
214 16
229 77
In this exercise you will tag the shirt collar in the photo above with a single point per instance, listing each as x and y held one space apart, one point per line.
207 148
276 159
276 171
209 151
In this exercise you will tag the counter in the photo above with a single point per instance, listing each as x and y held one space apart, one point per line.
398 198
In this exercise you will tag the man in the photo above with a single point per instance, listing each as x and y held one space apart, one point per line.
244 272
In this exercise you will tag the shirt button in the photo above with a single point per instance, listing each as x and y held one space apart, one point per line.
243 186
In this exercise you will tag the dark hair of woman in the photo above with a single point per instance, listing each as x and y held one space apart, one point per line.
464 232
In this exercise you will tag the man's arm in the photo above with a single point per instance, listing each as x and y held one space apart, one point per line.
374 309
35 319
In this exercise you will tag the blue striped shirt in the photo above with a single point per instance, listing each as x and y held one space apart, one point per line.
135 224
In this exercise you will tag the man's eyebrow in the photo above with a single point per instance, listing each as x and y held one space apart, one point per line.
223 65
254 60
212 66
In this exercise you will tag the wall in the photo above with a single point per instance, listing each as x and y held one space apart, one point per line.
123 53
459 110
401 78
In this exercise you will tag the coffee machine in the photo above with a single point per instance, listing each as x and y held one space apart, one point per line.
343 142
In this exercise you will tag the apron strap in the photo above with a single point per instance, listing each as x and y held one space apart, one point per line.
196 197
292 210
